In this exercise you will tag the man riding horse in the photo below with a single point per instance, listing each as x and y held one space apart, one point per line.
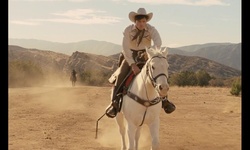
73 77
136 38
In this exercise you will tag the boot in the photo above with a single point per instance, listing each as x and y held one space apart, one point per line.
113 108
168 106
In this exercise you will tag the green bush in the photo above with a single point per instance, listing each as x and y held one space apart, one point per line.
94 77
184 78
236 87
203 78
189 78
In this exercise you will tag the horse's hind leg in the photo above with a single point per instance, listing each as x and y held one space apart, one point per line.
120 121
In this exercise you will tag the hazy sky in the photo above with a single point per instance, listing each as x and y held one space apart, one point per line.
179 22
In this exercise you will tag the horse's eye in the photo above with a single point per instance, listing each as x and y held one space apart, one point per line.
153 67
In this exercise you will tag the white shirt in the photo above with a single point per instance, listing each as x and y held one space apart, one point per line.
150 34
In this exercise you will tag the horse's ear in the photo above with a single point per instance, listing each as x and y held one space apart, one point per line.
150 52
165 52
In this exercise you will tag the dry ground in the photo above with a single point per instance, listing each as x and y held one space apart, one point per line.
64 118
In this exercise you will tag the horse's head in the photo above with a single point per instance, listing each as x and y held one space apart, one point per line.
157 69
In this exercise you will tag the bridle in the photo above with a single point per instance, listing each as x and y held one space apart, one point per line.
149 71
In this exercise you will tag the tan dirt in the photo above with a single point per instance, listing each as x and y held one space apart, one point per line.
64 118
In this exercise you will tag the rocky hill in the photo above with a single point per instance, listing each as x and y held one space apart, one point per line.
48 60
228 54
89 62
61 63
178 63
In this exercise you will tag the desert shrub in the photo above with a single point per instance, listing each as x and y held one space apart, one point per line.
217 82
228 82
184 78
203 78
94 77
189 78
24 73
236 87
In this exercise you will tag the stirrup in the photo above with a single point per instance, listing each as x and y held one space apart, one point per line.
109 110
169 107
113 108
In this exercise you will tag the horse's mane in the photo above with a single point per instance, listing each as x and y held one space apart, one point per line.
156 51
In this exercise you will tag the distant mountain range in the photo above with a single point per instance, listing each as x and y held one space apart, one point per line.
62 64
89 46
228 54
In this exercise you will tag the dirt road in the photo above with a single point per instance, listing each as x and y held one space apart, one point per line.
64 118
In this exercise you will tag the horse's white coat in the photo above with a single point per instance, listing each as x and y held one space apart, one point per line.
132 112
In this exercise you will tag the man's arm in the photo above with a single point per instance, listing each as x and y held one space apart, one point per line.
126 46
156 37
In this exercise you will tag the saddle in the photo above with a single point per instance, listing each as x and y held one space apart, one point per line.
123 89
128 81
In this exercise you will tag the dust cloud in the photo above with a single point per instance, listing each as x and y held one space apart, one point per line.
109 135
58 80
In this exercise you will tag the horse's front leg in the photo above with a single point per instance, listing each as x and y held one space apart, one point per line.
120 121
131 130
137 136
154 131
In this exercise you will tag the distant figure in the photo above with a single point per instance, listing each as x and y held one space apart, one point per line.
73 77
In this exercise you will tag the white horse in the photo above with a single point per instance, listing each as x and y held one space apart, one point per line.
142 104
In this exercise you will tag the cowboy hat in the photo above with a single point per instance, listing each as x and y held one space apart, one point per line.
140 11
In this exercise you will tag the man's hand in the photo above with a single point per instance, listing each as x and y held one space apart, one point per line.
135 69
